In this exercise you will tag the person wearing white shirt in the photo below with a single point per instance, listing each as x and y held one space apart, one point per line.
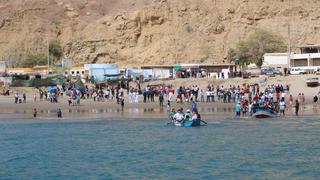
178 116
282 107
208 93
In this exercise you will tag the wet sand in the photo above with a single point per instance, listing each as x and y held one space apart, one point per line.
110 110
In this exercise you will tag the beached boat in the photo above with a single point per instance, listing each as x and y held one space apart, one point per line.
192 123
264 112
312 82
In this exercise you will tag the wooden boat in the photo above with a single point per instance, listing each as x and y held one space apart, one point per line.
264 112
312 82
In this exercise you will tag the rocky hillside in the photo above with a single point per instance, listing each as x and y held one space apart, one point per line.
140 32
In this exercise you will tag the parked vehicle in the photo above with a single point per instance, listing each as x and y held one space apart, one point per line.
317 72
312 82
277 72
264 71
246 75
254 72
297 71
267 72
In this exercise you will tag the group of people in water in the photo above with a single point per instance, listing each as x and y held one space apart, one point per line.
180 117
273 97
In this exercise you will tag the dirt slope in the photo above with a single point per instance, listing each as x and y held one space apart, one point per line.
138 32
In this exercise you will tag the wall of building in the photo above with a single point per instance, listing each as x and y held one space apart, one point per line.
316 62
300 63
270 60
99 71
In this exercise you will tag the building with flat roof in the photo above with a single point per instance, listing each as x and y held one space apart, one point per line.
307 58
207 67
309 49
102 72
276 60
187 70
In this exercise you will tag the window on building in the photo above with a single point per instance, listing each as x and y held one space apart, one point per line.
309 50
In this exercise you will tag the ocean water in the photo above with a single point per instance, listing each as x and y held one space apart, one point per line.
140 149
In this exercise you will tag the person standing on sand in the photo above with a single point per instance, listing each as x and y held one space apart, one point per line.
208 95
69 100
290 100
315 99
94 95
282 107
24 96
16 98
300 98
161 98
194 106
41 94
35 97
297 107
59 113
35 112
238 109
201 96
122 104
78 98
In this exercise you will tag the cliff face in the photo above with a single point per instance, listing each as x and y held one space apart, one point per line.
140 32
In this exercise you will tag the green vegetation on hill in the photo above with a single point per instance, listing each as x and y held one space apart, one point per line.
255 46
55 51
35 60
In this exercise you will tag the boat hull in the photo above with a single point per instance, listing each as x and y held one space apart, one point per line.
265 113
312 84
193 123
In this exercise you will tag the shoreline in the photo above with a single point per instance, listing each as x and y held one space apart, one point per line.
109 109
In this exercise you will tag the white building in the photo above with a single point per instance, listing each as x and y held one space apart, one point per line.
67 63
276 60
308 58
102 72
3 66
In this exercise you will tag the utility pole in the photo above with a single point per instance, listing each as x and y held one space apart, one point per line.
48 57
289 35
289 44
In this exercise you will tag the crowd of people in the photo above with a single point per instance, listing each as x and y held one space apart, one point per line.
246 97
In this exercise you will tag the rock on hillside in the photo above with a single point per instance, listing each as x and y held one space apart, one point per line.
139 32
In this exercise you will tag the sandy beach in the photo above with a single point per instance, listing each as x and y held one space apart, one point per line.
88 109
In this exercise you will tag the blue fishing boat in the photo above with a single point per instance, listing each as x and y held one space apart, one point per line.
193 123
264 112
